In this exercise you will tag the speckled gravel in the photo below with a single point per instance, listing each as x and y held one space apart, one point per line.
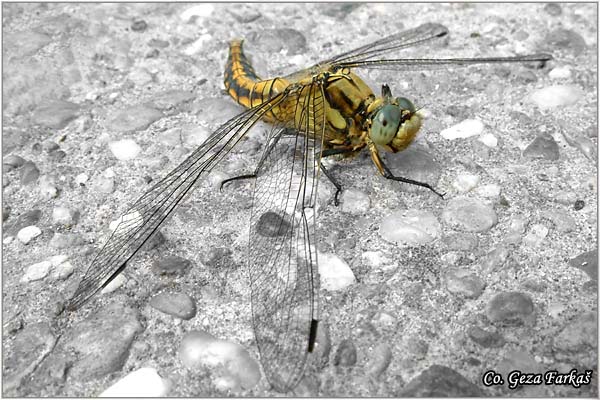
419 295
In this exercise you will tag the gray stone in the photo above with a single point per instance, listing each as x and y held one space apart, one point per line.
28 218
172 98
56 114
135 118
484 338
24 43
276 40
587 262
101 341
171 265
543 147
345 355
179 305
28 349
441 381
29 173
566 40
510 308
470 215
463 282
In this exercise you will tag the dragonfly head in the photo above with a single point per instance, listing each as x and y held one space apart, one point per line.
394 121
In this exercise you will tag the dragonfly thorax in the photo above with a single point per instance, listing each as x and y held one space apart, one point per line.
392 122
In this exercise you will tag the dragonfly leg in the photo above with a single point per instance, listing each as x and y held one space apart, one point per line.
335 183
385 171
273 142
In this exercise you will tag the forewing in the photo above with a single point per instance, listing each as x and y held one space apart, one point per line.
401 40
147 214
282 263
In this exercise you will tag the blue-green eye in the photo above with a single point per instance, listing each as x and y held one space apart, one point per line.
406 104
385 124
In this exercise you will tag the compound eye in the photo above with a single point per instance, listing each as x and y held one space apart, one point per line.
406 104
385 124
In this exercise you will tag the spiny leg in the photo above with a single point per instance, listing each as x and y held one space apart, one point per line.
385 171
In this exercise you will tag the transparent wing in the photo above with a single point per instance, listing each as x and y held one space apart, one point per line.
412 37
416 64
363 57
148 213
401 40
282 263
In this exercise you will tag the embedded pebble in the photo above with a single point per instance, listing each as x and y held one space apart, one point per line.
13 161
102 341
440 381
418 163
345 354
179 305
375 258
484 338
565 197
544 147
27 234
56 114
519 360
116 283
63 215
579 204
583 144
537 233
511 308
29 173
355 202
334 272
38 271
469 215
31 345
140 76
81 179
488 139
26 219
66 240
410 227
135 118
587 262
280 39
563 222
556 96
198 45
491 191
566 40
5 213
465 182
200 10
139 25
232 368
243 13
379 360
144 382
271 224
463 282
48 190
25 43
464 129
553 9
161 44
171 265
63 270
560 73
579 334
124 150
195 136
461 241
105 185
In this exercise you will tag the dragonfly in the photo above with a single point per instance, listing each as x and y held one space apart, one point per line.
321 111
